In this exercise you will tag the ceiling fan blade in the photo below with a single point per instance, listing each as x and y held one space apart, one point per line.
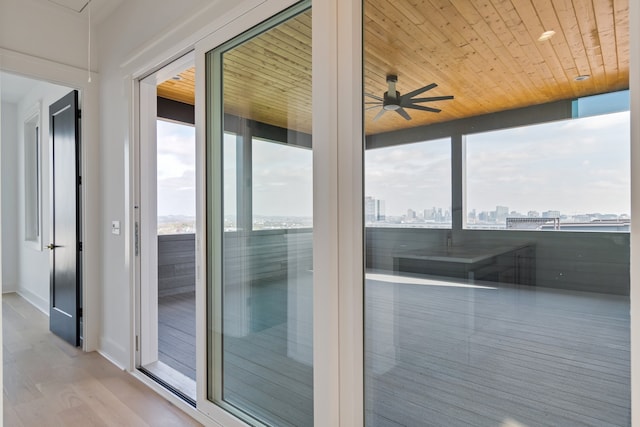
419 91
382 110
372 107
429 99
374 102
370 95
403 113
423 108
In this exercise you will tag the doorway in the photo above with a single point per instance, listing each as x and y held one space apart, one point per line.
166 226
28 227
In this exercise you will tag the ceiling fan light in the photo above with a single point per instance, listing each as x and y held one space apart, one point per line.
391 107
546 35
582 77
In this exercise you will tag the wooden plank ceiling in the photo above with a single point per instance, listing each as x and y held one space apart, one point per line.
484 53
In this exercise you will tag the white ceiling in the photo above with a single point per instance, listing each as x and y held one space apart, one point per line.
100 9
75 5
13 88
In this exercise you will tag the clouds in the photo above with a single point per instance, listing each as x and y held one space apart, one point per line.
282 180
176 157
412 176
575 166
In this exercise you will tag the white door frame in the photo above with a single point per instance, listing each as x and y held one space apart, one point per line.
338 218
146 207
75 78
634 86
146 226
236 26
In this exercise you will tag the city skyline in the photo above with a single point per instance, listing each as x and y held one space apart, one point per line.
500 210
575 166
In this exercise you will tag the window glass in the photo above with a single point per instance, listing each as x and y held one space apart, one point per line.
230 182
32 180
409 185
260 253
486 322
176 145
567 175
282 185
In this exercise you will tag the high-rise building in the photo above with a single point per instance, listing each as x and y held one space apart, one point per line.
380 210
369 209
502 212
430 214
374 209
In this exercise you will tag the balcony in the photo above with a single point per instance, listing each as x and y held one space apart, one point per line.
452 350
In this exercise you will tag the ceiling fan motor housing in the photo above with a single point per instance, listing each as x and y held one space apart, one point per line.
392 96
391 102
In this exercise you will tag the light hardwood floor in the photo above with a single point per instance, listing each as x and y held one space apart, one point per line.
49 383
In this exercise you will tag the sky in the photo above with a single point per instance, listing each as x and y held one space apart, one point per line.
574 166
282 179
176 169
411 176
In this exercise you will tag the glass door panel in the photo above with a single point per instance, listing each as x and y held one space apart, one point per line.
505 303
260 222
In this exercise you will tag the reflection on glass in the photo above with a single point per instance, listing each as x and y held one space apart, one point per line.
282 186
474 324
230 181
261 307
409 185
570 175
176 178
176 259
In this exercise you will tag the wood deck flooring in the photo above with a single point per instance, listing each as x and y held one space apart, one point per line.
177 332
442 354
49 383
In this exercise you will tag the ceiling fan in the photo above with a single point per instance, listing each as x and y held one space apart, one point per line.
392 100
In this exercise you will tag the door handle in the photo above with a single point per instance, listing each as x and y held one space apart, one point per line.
52 246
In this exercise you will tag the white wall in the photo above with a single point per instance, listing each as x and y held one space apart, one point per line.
9 140
131 29
33 264
25 268
44 30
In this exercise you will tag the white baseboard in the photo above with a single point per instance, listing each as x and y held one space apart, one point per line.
113 352
39 303
9 288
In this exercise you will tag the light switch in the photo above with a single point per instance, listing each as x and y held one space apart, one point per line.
115 227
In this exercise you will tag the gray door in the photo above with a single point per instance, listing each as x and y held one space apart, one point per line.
64 317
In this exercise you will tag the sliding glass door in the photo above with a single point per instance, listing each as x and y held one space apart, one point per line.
497 211
259 172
